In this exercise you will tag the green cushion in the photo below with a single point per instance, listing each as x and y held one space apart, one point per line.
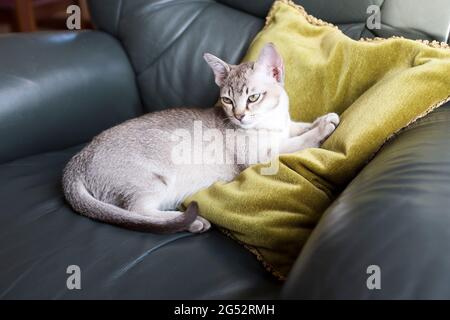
377 87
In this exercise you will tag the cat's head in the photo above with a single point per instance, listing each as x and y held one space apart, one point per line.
251 92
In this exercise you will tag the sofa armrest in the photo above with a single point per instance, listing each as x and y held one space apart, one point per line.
60 89
396 215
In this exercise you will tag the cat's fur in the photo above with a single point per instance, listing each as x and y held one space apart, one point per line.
126 175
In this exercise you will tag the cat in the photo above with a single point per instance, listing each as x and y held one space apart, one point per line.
127 175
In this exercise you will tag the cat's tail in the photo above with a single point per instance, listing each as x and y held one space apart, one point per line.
83 202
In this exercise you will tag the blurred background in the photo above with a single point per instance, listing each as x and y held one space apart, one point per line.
34 15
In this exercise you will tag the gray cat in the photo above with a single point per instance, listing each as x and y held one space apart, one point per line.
128 175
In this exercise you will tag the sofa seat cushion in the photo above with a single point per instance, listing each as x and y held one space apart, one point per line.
41 236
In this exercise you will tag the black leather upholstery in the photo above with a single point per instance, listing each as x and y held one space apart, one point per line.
44 237
58 90
48 99
168 61
395 214
340 12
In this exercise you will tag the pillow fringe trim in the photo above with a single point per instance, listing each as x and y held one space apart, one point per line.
433 44
311 19
396 133
320 23
258 255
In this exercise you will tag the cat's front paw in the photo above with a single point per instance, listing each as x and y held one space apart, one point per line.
200 225
326 125
332 118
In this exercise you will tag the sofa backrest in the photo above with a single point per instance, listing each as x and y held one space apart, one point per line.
165 39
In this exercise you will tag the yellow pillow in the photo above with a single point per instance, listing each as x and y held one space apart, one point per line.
378 87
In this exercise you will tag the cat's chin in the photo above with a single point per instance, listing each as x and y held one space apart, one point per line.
245 126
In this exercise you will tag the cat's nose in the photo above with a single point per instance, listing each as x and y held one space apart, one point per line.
239 116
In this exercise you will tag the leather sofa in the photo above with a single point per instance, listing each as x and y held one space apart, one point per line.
58 90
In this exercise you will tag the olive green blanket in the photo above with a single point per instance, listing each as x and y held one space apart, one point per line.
377 87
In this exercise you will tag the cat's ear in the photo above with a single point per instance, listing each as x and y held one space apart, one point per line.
220 68
270 59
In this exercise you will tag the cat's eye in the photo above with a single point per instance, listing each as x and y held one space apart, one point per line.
226 100
253 97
